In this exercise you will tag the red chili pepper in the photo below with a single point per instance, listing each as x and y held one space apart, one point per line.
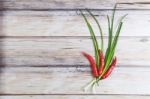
92 63
108 72
102 62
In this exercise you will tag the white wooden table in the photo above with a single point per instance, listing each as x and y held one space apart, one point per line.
41 41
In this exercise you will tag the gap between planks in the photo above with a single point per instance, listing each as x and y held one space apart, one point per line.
64 94
69 10
76 66
71 4
72 97
65 37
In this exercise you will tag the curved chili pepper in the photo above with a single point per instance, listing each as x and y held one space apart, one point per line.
102 62
108 72
92 63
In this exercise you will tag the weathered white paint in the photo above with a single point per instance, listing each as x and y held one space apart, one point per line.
67 51
69 23
58 35
71 80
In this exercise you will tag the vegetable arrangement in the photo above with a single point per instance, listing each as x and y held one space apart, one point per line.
103 64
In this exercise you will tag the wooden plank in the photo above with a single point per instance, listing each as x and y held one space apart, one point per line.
74 4
67 51
74 97
68 23
71 80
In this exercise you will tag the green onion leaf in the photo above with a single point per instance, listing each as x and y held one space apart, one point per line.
110 36
110 56
113 16
95 43
110 30
112 45
109 39
112 50
100 30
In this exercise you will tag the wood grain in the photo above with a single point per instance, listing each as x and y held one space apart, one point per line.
68 23
74 4
71 80
67 51
74 97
